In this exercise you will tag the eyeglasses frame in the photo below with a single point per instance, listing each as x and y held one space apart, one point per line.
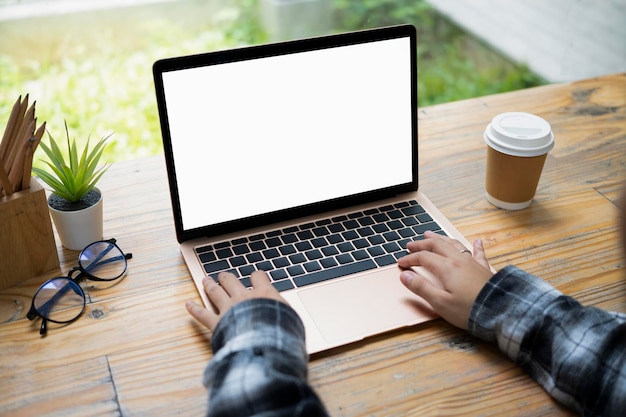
73 282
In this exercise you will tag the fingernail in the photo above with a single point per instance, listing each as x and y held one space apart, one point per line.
406 277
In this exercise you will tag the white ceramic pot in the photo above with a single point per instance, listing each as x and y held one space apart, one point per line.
79 228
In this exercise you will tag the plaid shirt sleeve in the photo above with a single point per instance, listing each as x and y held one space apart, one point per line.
260 364
577 353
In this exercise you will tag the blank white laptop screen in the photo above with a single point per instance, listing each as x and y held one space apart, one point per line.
284 131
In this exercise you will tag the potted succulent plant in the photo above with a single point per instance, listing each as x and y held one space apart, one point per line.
75 203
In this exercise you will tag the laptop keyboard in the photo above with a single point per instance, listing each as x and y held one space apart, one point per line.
308 253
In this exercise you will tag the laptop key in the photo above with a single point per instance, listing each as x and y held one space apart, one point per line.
305 234
333 239
257 245
395 224
380 228
264 266
350 235
290 238
365 221
340 271
273 242
330 251
314 254
395 214
420 229
424 218
413 210
254 257
207 257
278 274
281 262
400 254
241 249
365 231
344 258
321 231
246 270
203 249
304 246
361 243
360 255
224 253
391 236
376 251
295 270
297 258
319 242
351 224
271 253
345 247
312 266
328 262
237 261
391 247
283 285
385 260
287 249
410 221
216 266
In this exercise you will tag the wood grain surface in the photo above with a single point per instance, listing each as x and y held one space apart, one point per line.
136 352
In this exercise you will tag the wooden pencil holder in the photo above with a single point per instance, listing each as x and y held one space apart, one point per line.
27 245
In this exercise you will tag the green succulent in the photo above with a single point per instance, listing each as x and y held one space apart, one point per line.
73 178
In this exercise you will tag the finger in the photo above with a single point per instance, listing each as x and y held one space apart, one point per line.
231 284
263 286
441 250
434 242
260 281
217 295
204 316
479 254
422 287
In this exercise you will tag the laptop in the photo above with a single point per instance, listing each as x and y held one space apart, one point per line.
300 158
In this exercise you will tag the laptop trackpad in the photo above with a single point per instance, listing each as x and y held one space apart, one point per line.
364 305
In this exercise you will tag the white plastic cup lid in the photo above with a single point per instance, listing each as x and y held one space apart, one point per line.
519 134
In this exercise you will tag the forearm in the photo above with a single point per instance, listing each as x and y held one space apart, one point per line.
260 363
576 353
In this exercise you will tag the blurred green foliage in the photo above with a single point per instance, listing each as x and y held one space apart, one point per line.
452 65
94 70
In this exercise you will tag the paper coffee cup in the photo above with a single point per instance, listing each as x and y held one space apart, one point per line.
518 144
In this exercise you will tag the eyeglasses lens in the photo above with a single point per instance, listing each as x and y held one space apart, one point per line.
60 300
103 260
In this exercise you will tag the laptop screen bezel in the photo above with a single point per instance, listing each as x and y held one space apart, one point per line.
263 51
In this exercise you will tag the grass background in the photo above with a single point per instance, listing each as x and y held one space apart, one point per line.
94 69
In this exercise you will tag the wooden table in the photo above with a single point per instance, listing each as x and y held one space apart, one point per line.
136 352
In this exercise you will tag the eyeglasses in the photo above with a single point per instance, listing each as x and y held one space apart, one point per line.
62 300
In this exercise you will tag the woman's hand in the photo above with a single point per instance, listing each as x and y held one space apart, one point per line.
461 274
228 293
